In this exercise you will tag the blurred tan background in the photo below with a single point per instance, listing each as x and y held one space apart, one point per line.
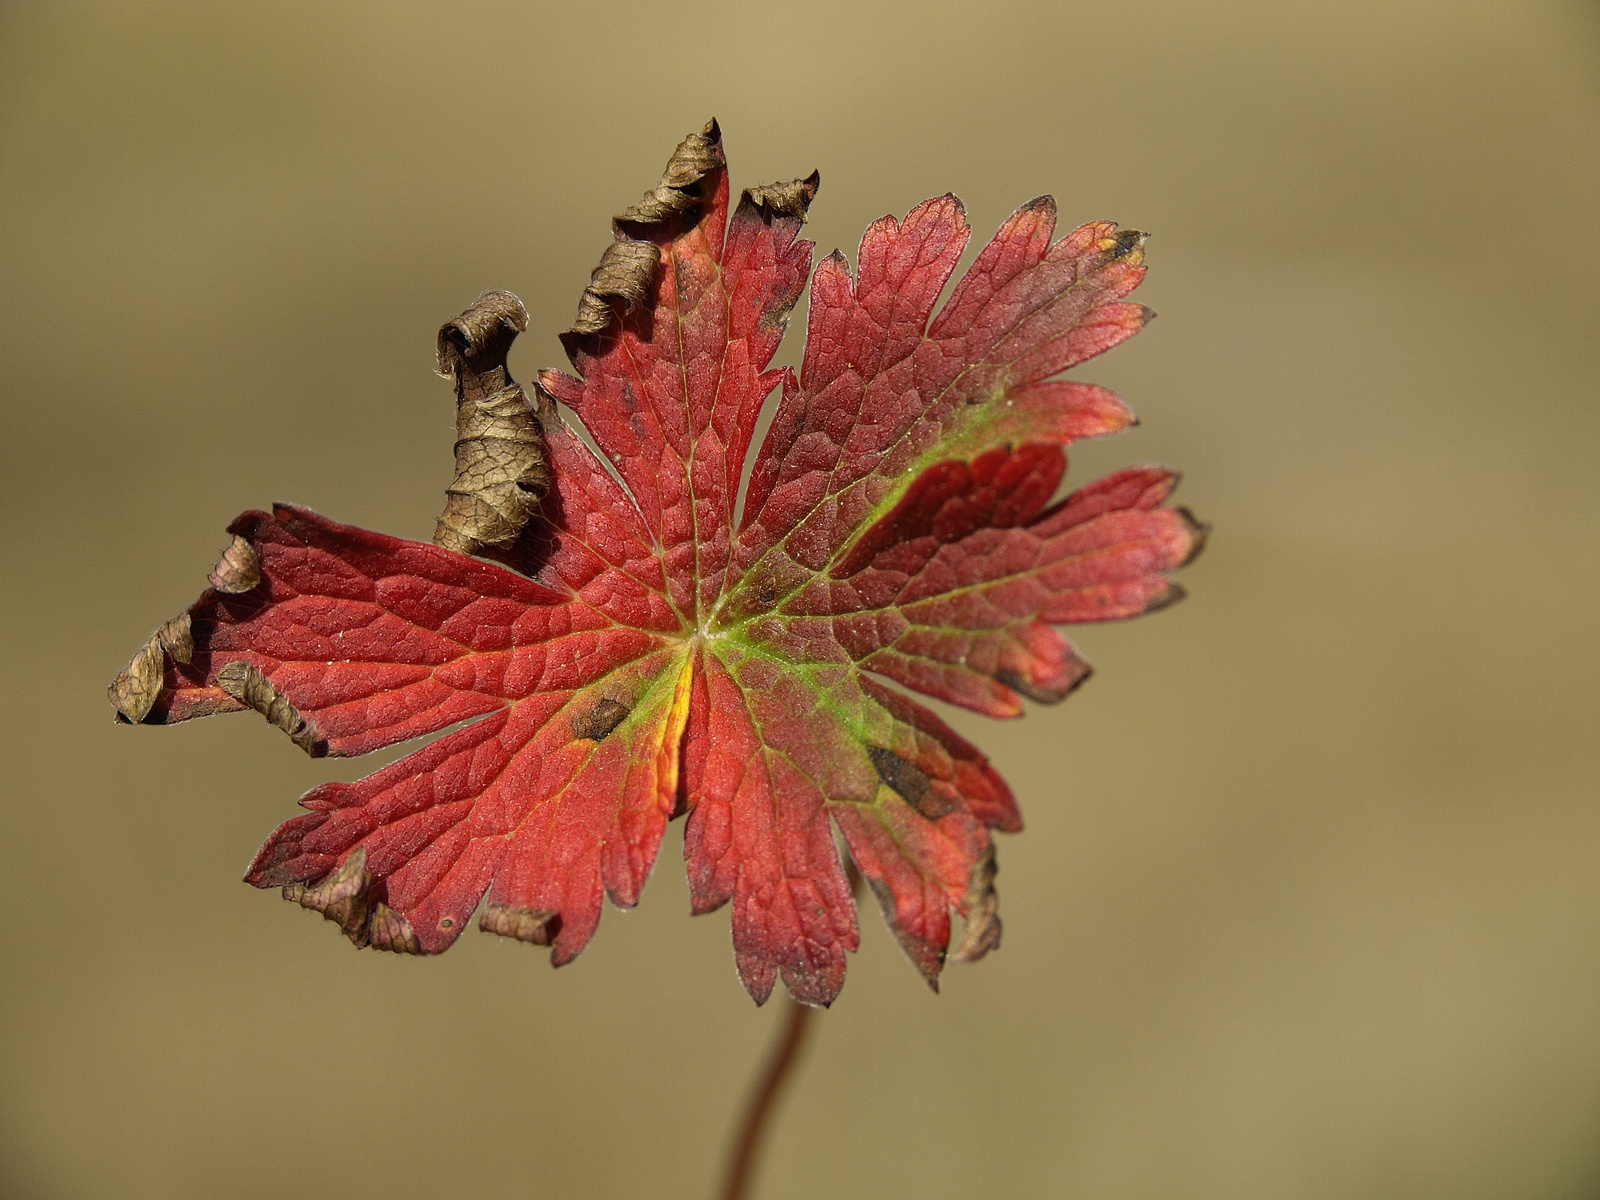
1308 905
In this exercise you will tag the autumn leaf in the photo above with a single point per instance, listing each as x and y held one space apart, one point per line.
650 648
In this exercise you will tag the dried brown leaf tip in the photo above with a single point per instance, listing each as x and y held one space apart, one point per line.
982 933
679 191
501 470
791 199
345 898
624 273
246 684
133 693
536 926
628 266
237 571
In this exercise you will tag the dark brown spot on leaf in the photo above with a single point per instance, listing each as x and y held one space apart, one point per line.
600 720
1018 682
1165 598
1127 242
1199 531
904 777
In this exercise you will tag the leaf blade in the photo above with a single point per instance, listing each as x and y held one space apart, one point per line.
631 656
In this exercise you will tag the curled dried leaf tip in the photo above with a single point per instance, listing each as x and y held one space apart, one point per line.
246 684
501 468
623 273
238 570
790 199
982 906
134 692
628 265
679 191
538 927
345 898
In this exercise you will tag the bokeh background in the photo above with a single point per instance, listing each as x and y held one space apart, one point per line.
1308 904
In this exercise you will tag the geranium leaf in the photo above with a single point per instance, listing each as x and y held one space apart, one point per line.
633 654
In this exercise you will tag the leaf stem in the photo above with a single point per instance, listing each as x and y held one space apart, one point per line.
758 1108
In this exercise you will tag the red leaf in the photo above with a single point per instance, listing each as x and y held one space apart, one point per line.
637 656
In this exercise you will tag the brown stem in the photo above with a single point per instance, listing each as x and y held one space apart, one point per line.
742 1161
736 1183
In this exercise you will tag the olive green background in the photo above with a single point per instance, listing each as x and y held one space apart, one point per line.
1308 902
